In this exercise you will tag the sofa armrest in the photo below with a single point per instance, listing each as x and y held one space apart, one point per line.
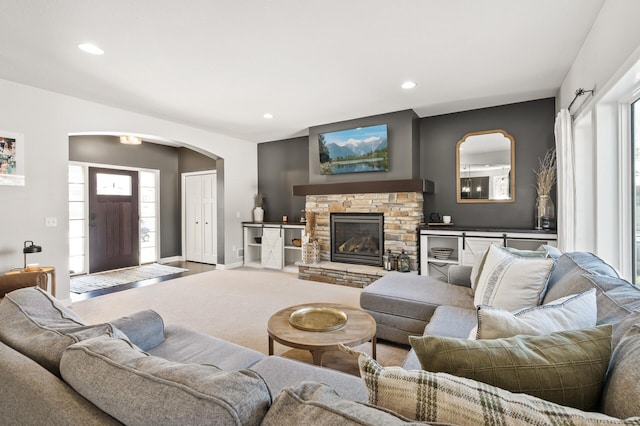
460 275
145 329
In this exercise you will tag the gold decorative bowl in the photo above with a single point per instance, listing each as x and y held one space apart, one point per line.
314 318
296 242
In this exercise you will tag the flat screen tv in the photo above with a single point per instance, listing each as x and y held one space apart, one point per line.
364 149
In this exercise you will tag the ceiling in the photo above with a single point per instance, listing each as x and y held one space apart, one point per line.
221 65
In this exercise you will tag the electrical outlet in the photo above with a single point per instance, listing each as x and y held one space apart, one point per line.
50 221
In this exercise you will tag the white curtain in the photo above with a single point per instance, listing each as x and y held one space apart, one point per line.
565 156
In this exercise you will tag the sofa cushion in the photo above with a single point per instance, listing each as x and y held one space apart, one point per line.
139 389
568 274
412 296
184 345
313 403
511 282
616 298
567 367
145 329
568 313
38 326
280 373
31 395
619 397
441 397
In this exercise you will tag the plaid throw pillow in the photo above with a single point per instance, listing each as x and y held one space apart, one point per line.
440 397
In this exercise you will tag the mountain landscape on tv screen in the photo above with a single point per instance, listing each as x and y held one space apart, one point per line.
364 149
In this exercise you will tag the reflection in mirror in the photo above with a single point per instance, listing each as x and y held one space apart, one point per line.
485 167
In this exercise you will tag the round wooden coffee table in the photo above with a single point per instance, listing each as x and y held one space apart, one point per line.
359 328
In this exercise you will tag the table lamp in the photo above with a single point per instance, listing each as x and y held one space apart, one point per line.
31 248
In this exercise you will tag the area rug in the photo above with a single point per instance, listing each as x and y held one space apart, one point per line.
235 305
86 283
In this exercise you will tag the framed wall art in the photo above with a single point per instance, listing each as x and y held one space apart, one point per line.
11 158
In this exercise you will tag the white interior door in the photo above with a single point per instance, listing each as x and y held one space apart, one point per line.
193 218
200 218
209 233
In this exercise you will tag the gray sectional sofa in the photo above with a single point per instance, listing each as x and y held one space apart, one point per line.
57 370
136 370
414 305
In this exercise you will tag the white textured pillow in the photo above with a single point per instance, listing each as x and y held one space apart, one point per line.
512 282
477 268
568 313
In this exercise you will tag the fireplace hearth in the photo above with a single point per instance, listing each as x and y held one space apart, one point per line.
357 238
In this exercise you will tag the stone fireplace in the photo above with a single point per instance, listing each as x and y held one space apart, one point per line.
357 238
398 203
402 212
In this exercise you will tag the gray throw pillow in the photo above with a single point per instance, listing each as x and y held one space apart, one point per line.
139 389
566 367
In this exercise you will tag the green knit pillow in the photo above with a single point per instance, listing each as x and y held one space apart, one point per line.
567 367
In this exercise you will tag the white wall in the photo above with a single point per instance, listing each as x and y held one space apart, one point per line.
46 119
607 62
613 37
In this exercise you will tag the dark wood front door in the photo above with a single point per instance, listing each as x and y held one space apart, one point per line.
113 219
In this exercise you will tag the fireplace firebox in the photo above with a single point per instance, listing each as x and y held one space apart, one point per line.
357 238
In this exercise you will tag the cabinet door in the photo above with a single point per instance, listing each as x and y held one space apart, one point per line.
475 246
272 249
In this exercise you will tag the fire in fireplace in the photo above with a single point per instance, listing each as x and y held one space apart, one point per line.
357 238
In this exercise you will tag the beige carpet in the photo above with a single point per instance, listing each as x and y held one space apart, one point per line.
235 305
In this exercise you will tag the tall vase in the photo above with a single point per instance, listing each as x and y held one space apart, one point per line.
258 214
545 213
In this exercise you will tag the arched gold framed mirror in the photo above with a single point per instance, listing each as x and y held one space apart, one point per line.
485 167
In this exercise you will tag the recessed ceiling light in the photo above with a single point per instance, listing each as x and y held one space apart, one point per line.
91 48
130 140
268 116
408 85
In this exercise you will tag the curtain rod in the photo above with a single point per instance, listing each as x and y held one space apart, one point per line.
579 93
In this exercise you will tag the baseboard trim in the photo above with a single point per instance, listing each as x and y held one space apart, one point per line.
171 259
229 266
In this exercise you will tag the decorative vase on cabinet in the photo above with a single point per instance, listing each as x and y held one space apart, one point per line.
545 213
258 215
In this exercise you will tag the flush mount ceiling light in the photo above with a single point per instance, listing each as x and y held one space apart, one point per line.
268 116
90 48
408 85
130 140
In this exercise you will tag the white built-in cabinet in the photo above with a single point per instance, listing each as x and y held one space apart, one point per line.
270 245
200 218
468 245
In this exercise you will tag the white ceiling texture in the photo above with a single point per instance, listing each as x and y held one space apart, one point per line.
221 65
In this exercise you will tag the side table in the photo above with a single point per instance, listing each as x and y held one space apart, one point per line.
33 277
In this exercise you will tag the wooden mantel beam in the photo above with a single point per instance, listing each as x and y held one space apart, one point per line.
367 187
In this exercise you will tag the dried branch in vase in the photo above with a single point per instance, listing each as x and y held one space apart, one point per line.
546 173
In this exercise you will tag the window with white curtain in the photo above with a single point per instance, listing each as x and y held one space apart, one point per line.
635 140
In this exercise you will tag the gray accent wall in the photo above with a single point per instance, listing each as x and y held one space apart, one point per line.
281 165
426 147
170 161
530 123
